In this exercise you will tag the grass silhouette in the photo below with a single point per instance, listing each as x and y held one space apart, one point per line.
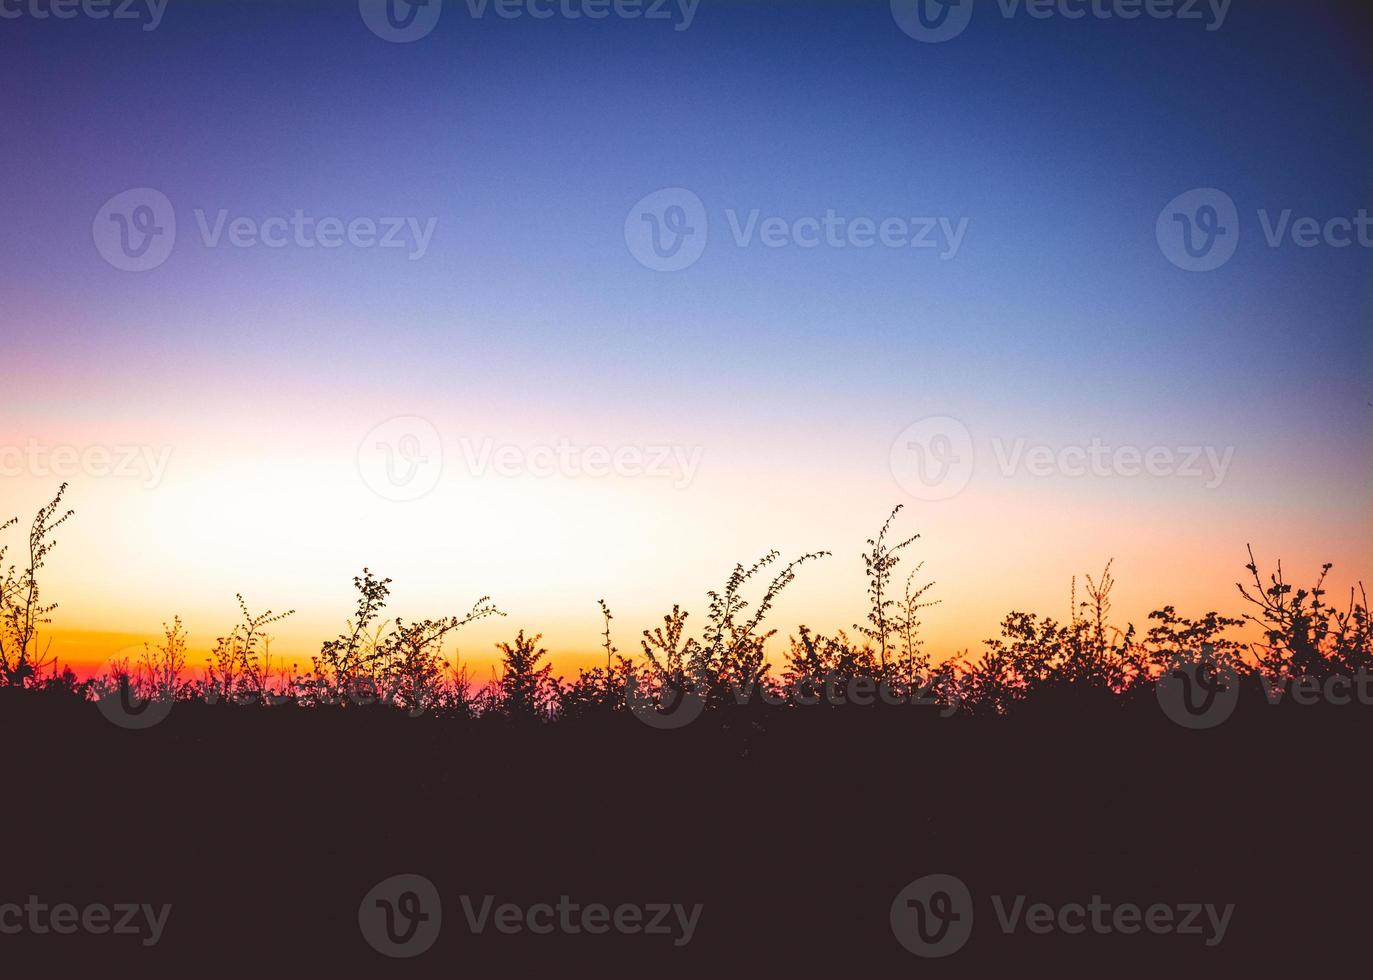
403 664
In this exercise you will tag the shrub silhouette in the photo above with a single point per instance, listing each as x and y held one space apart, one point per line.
1304 634
886 615
399 662
342 662
164 663
1036 661
673 657
240 668
526 690
22 610
601 692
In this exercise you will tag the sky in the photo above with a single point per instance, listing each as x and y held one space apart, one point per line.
558 309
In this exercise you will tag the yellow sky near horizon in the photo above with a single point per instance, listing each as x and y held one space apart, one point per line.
289 523
828 596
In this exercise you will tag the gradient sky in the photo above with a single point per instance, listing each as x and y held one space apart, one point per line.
792 370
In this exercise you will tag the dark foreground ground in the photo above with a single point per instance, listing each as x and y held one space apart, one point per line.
265 829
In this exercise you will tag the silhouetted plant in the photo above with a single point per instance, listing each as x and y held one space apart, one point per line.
1304 634
600 691
237 668
526 690
1036 656
1100 654
342 661
883 615
121 674
1350 634
1173 634
65 683
408 663
164 663
912 645
21 608
733 650
1024 658
457 699
400 662
608 645
814 660
671 655
1035 660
